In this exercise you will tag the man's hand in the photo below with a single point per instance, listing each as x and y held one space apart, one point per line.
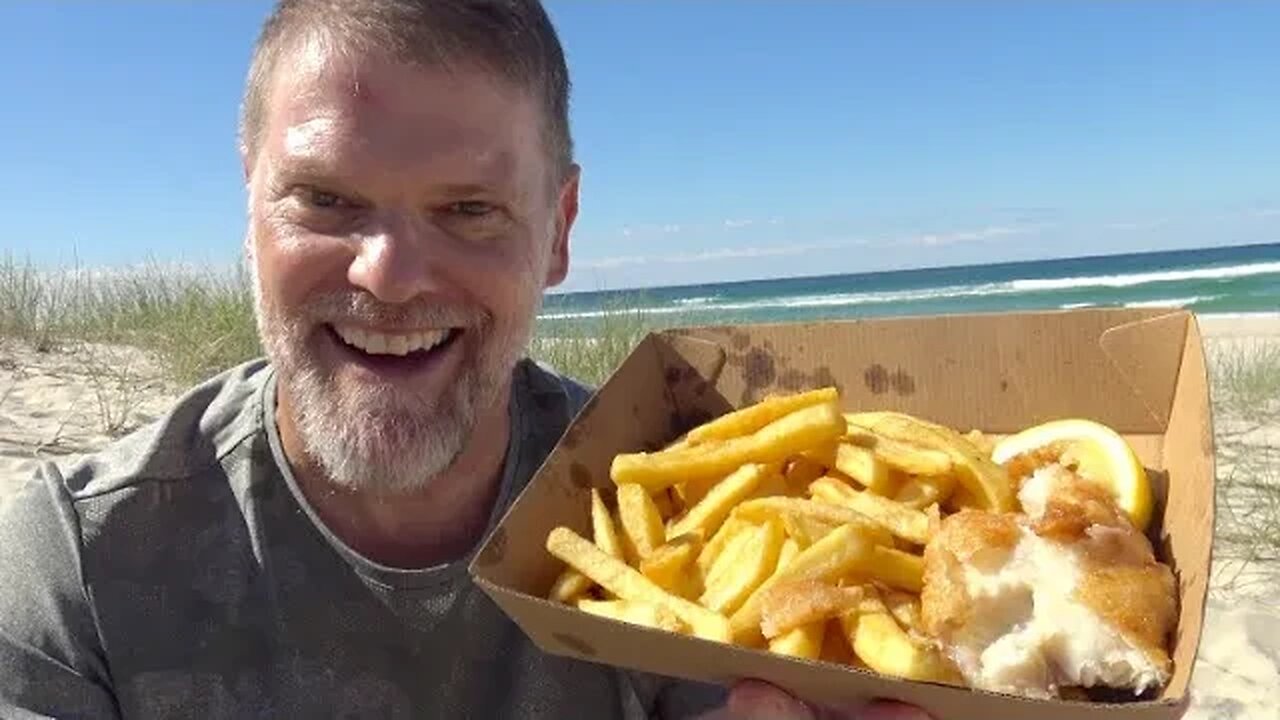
754 700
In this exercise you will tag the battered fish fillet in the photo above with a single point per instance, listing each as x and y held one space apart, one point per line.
1067 593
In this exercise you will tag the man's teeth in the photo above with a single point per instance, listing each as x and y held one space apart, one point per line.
376 343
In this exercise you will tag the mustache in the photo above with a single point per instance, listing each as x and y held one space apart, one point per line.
362 308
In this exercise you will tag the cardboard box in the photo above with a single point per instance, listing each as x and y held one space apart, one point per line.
1141 372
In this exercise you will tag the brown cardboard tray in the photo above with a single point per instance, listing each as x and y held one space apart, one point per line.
1140 371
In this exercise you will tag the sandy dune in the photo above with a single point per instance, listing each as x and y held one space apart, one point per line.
61 404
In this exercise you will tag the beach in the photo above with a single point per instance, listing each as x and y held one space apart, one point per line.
68 400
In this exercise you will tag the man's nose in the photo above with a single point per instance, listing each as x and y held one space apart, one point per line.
398 262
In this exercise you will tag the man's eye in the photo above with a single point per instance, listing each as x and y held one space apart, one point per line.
322 199
474 208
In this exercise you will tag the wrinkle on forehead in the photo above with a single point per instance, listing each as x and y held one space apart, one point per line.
354 112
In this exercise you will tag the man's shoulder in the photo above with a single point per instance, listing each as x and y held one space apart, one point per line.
547 385
198 429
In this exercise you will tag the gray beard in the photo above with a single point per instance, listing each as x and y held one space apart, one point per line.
378 438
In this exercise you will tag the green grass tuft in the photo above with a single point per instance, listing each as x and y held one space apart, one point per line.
1246 398
1246 378
195 323
590 349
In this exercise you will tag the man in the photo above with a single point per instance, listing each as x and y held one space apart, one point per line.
290 540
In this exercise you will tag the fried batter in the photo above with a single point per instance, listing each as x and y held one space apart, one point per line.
1067 593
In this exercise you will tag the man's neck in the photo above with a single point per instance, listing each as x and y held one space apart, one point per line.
438 524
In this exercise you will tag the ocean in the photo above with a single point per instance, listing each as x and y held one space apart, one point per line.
1222 280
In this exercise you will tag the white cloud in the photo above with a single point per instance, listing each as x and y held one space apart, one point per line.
734 224
712 255
1137 224
1267 212
671 228
793 249
954 238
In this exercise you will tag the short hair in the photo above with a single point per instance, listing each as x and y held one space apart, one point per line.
513 39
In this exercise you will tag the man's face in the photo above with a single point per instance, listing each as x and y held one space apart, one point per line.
404 223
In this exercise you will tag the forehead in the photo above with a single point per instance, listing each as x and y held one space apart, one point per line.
369 111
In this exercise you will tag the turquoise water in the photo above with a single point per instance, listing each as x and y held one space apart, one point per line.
1213 280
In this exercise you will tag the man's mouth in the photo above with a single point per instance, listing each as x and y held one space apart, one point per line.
405 351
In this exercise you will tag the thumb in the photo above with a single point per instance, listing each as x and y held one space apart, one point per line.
886 710
756 700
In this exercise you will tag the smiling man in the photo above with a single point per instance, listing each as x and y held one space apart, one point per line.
290 540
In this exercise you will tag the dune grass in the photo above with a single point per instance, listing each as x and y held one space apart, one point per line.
589 350
194 322
197 322
1246 399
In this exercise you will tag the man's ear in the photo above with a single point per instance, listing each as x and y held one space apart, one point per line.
566 214
245 164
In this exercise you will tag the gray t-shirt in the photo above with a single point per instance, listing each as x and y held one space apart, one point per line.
180 573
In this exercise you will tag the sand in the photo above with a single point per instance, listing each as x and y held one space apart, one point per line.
61 404
74 399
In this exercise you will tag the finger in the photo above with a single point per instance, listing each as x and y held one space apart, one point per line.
751 699
888 710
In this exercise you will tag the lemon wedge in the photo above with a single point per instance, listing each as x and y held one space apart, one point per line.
1096 452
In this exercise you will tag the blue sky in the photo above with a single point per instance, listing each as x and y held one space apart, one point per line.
720 140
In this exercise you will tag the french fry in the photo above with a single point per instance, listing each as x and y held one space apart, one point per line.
805 530
905 608
664 503
910 459
823 454
921 492
790 549
899 519
761 509
750 419
773 484
886 648
712 510
627 583
842 550
690 493
905 433
731 557
642 528
805 641
866 468
787 525
772 443
801 471
636 613
745 566
721 540
835 647
789 605
896 568
963 498
666 565
569 586
985 481
981 441
603 529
